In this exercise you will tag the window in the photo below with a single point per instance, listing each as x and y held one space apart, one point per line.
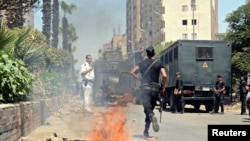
184 8
184 22
163 10
204 53
184 36
163 23
194 36
193 7
193 21
176 52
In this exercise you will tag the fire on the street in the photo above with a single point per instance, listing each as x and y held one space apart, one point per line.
111 126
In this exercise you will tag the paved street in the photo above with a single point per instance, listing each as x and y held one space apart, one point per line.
73 123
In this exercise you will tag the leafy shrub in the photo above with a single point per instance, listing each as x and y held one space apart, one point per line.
15 80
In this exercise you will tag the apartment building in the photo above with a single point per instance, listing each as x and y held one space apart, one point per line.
155 22
190 19
133 31
151 22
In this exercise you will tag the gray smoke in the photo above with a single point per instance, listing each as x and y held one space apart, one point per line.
94 21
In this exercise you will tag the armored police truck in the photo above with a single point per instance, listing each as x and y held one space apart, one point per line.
114 71
199 62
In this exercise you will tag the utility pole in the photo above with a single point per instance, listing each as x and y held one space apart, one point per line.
193 8
132 32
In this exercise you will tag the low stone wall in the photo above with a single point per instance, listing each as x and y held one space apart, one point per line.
17 120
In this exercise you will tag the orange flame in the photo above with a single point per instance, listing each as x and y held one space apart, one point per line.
110 126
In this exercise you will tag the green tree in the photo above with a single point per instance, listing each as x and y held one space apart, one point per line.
47 19
55 23
16 80
67 9
30 48
238 34
15 10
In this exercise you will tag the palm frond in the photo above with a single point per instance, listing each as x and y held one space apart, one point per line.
6 39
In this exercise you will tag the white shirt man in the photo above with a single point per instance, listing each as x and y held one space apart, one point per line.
87 73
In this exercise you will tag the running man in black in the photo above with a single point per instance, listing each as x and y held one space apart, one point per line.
150 70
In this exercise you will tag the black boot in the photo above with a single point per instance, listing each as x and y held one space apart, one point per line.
145 132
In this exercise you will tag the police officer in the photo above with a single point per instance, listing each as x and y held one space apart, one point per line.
219 88
178 98
150 70
243 93
87 73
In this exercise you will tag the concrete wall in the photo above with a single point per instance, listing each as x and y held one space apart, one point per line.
17 120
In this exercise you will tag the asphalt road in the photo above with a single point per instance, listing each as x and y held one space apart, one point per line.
73 123
191 125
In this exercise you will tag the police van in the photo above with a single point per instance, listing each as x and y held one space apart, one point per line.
199 62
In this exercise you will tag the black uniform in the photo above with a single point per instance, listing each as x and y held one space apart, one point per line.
219 97
179 99
150 87
243 94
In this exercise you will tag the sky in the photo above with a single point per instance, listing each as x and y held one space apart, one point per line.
95 21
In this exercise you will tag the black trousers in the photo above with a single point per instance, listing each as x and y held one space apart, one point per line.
149 99
178 103
219 103
243 99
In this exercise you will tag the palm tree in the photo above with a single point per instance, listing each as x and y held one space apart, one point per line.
15 10
67 9
47 19
6 39
55 23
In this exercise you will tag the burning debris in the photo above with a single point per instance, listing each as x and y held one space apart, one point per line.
111 126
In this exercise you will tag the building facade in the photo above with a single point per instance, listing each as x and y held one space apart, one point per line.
155 22
133 31
190 19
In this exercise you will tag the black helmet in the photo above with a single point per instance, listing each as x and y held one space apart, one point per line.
150 51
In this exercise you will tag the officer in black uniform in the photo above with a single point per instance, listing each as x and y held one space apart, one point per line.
178 98
243 94
150 70
219 88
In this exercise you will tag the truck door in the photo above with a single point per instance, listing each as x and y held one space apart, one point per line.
204 65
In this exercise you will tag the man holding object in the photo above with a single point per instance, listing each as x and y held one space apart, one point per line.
87 73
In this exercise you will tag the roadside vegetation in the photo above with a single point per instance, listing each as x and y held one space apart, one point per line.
32 66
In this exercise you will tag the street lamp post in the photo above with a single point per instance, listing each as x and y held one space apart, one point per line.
193 7
132 51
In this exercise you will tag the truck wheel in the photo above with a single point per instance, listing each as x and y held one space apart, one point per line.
209 106
197 107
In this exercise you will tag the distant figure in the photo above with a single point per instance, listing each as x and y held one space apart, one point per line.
178 97
105 92
87 73
248 98
243 94
204 53
150 70
248 94
219 90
